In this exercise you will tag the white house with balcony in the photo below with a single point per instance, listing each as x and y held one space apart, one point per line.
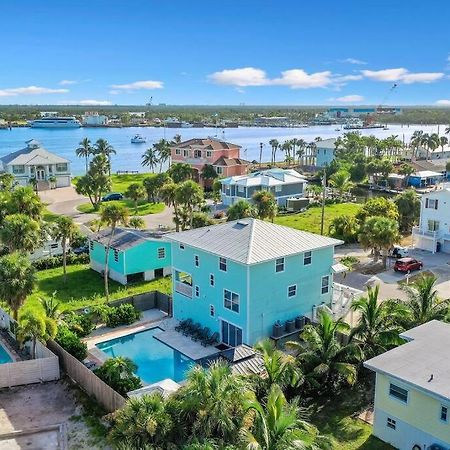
433 232
35 162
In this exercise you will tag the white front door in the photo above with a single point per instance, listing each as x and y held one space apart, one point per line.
40 174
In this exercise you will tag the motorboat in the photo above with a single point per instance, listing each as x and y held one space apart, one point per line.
138 139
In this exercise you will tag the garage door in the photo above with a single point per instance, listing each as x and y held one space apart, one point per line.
446 246
63 181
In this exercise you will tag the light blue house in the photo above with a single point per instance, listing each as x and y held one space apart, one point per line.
135 255
325 151
282 183
238 278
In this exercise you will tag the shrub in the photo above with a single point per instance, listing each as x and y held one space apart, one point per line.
119 374
57 261
80 324
70 342
219 214
124 314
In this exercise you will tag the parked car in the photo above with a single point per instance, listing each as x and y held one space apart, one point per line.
112 196
399 252
406 265
80 250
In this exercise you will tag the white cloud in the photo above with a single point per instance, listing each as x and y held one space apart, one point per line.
251 76
148 84
30 90
67 82
353 98
344 78
443 102
87 102
402 75
353 61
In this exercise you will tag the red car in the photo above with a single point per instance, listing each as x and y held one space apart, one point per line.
406 265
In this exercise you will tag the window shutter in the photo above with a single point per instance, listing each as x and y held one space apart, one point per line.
436 204
426 203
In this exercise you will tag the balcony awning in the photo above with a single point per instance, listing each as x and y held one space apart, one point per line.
339 268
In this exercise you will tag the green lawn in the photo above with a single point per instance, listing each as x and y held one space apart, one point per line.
337 419
311 218
120 183
143 209
84 287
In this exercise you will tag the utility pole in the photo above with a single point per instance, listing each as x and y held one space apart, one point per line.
324 187
260 153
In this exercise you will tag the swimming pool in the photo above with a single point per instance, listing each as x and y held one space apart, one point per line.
4 355
156 361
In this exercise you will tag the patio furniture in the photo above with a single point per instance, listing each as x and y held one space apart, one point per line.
212 340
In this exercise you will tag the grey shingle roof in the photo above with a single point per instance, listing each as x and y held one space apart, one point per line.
427 353
125 238
250 241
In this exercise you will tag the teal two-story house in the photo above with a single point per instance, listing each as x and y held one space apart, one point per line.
238 278
135 255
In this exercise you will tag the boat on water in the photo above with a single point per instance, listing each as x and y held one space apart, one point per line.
358 124
55 122
175 123
138 139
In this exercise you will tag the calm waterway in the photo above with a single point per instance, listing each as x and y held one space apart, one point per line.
65 141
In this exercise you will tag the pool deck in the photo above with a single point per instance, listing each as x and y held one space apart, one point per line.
151 319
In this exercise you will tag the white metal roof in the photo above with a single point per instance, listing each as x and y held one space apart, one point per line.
427 173
251 241
327 143
423 362
270 177
32 155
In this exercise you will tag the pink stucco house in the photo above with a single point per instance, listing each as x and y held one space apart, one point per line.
223 156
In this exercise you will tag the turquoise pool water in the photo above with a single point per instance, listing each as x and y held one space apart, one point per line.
155 360
4 356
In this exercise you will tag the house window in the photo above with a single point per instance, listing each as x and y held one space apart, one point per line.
161 253
185 153
208 153
444 414
91 244
183 283
18 169
279 265
61 167
197 153
181 246
177 151
240 188
223 264
325 284
398 392
211 279
219 170
116 255
391 423
431 203
292 290
53 245
231 300
212 310
307 258
196 260
433 225
197 291
278 188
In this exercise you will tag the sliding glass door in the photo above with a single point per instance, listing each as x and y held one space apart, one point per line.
231 334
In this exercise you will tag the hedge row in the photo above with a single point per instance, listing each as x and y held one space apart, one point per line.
57 261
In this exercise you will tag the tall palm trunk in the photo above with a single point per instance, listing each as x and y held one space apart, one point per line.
64 243
87 163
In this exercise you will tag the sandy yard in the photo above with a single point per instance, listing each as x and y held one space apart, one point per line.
44 416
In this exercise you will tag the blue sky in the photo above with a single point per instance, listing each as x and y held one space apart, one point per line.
228 52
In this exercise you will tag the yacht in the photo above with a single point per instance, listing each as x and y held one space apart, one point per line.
55 122
138 139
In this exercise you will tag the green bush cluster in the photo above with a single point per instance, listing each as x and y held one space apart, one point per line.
80 324
52 262
124 314
70 342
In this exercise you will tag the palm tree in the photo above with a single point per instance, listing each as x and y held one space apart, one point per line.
112 215
136 223
443 141
416 141
143 421
344 227
279 425
275 145
211 402
23 200
167 193
407 170
423 303
85 150
20 233
103 147
135 192
34 327
64 231
240 210
164 152
51 307
266 205
430 142
376 329
287 147
341 182
324 360
180 172
17 280
177 139
189 195
150 158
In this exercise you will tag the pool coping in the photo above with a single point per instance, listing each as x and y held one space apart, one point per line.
12 354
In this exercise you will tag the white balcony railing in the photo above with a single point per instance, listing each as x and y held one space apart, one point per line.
183 288
417 231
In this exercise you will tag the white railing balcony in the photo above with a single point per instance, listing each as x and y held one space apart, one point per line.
425 233
342 299
183 289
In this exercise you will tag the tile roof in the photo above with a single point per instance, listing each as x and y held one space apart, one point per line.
32 154
222 161
208 143
424 361
125 238
251 241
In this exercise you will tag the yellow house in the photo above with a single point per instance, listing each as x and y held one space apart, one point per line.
412 391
